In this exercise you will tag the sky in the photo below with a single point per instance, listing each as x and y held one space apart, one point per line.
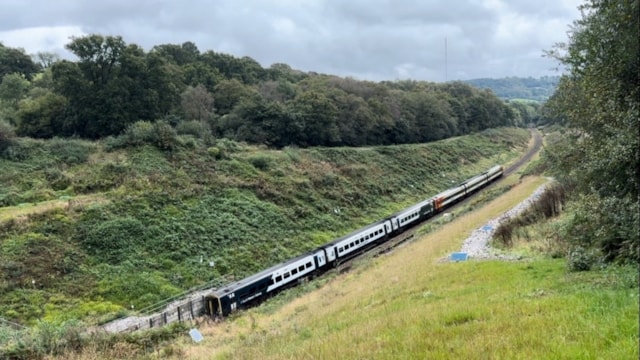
376 40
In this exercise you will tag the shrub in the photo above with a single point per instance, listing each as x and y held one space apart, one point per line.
159 134
198 129
112 239
260 162
7 133
580 259
70 151
139 133
166 137
57 179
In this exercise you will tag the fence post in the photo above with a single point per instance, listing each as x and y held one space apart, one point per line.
179 318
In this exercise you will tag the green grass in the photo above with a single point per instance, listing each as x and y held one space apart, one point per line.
135 221
411 305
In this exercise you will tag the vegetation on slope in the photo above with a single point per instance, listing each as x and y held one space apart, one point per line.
154 219
517 88
412 304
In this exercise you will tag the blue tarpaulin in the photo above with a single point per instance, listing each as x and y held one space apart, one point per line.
458 256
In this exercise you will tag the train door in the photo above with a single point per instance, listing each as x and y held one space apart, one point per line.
213 306
331 254
320 259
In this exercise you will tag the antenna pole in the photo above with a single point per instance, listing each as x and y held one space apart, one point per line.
445 59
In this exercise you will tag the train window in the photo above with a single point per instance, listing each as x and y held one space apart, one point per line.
286 275
278 278
339 249
294 271
301 267
309 264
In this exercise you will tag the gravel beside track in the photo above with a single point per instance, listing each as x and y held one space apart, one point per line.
477 246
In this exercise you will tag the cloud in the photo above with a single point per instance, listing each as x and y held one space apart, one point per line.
373 39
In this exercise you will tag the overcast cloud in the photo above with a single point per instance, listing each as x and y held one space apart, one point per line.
365 39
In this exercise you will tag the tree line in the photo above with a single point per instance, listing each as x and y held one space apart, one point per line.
113 85
598 104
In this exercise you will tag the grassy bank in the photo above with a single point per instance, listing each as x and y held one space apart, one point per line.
412 305
89 231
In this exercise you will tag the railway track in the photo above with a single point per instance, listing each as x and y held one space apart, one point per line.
409 234
133 323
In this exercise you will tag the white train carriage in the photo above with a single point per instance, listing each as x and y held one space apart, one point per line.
415 213
351 244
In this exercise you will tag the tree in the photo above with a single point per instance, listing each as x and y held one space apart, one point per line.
13 88
187 53
197 103
46 59
600 100
99 56
228 93
318 115
114 85
14 60
43 116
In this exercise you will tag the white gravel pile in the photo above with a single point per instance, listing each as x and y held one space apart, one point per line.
477 246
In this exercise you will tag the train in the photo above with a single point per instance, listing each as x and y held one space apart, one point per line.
257 287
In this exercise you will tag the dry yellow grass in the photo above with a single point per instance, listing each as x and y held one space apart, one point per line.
352 292
23 210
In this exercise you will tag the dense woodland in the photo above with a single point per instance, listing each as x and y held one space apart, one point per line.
114 84
515 88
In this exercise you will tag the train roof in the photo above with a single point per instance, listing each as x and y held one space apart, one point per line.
411 208
337 240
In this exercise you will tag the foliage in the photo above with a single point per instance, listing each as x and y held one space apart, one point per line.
548 205
151 220
511 88
55 339
15 60
113 85
7 133
599 103
159 134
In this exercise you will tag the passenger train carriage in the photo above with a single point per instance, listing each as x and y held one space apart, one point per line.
257 287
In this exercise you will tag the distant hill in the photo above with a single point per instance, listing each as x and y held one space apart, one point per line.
510 88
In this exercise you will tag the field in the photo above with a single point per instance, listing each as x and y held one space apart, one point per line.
90 232
411 304
106 232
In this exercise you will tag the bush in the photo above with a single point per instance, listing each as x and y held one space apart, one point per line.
198 129
70 151
580 259
113 239
166 137
140 133
57 179
260 162
159 134
7 133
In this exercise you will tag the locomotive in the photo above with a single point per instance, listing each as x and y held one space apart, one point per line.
257 287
